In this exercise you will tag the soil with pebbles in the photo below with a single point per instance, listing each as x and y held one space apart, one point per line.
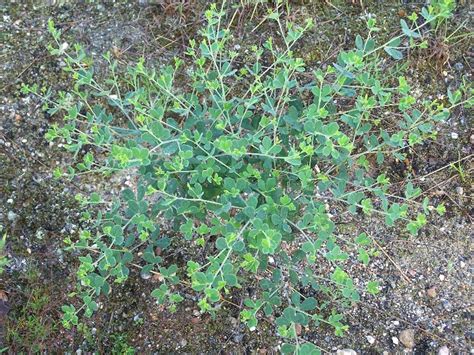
425 303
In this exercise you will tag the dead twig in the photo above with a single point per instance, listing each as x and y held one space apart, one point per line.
405 277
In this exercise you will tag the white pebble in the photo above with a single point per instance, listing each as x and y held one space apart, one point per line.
11 216
454 135
395 340
444 351
370 339
441 277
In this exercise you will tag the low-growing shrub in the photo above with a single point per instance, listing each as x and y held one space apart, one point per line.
246 164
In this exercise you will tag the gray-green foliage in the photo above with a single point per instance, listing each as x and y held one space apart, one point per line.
251 156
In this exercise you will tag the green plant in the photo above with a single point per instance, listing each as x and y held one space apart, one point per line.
3 259
251 164
458 168
28 328
120 345
441 9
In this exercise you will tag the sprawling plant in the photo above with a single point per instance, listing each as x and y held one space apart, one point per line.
246 165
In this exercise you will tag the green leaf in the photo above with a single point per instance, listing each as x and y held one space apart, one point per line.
308 304
268 241
411 192
336 254
187 229
238 246
363 256
280 80
308 247
359 42
362 239
441 209
159 131
199 281
213 294
308 349
117 234
394 53
221 243
373 287
332 129
407 31
288 348
231 279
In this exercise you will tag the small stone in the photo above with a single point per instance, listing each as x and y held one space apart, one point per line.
370 339
395 340
460 190
346 352
442 277
238 338
444 350
458 66
10 201
472 138
145 276
12 216
157 277
298 329
407 338
183 343
431 292
447 305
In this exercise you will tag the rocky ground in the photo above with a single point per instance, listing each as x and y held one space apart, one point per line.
426 303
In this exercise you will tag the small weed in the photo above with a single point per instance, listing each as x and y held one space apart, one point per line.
120 345
459 169
3 258
27 329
